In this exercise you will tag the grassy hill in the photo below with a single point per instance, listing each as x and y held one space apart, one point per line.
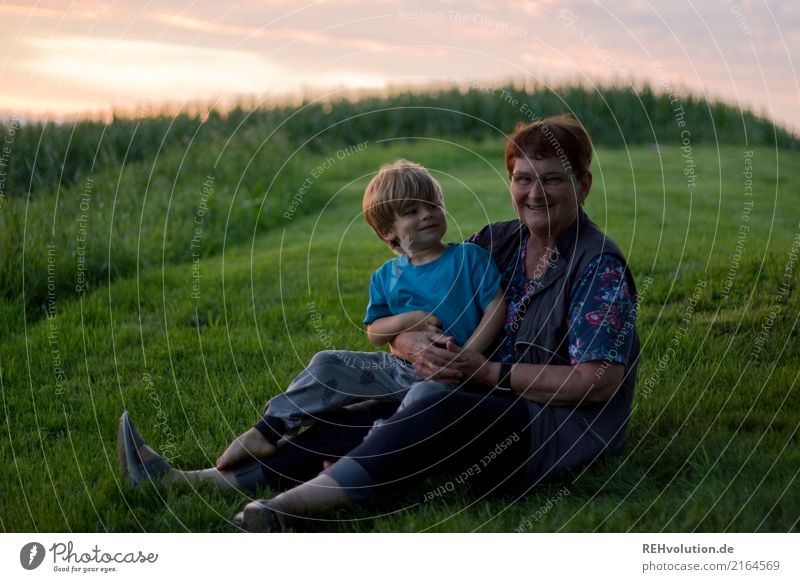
194 340
131 189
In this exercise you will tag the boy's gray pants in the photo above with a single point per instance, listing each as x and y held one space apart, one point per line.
335 378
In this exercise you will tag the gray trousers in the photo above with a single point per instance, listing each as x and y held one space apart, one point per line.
335 379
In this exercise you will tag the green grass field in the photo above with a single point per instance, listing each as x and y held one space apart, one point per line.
193 345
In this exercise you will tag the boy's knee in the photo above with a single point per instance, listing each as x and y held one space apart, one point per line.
323 357
328 358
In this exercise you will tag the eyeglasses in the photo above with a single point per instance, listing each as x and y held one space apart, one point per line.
549 181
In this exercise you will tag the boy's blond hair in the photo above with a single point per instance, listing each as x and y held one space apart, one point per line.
393 189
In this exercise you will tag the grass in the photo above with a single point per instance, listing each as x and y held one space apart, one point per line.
133 216
712 446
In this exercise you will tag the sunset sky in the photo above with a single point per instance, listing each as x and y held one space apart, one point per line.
88 57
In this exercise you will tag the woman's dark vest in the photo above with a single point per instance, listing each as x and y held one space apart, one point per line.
564 436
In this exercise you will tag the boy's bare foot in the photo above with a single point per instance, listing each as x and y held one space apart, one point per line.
248 445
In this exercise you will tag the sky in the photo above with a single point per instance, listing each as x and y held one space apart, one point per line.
89 57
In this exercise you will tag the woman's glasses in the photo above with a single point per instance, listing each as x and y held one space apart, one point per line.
549 181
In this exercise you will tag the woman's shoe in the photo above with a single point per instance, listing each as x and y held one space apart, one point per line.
137 461
260 516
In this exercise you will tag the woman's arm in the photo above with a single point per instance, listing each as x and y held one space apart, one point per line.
490 325
584 383
570 385
382 331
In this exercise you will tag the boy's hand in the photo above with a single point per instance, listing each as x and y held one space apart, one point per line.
427 322
385 329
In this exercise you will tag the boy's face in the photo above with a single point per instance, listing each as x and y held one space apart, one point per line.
421 226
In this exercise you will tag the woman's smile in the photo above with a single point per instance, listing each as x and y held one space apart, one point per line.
537 206
547 195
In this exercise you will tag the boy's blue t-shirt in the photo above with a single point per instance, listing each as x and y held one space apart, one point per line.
456 287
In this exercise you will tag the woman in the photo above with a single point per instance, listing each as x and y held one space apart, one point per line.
555 394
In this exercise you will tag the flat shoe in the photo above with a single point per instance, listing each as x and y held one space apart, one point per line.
130 446
259 516
238 520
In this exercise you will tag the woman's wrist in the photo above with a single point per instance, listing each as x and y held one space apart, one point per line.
504 379
492 374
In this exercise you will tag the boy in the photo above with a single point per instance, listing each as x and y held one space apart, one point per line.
430 286
453 289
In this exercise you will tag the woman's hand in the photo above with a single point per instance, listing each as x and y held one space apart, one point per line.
430 354
438 357
475 368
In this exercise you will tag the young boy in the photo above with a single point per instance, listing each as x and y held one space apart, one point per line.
433 286
430 286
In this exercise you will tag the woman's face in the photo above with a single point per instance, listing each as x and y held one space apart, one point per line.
546 197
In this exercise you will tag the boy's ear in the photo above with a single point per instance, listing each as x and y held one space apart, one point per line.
388 235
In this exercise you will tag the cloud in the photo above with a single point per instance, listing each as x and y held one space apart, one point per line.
222 26
533 9
738 49
147 68
85 10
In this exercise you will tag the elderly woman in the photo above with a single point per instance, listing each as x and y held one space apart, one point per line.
555 393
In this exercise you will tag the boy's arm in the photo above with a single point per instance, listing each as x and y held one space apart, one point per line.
489 326
381 331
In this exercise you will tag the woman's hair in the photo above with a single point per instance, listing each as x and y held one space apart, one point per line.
560 137
394 188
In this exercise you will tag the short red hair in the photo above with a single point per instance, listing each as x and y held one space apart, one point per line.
560 137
